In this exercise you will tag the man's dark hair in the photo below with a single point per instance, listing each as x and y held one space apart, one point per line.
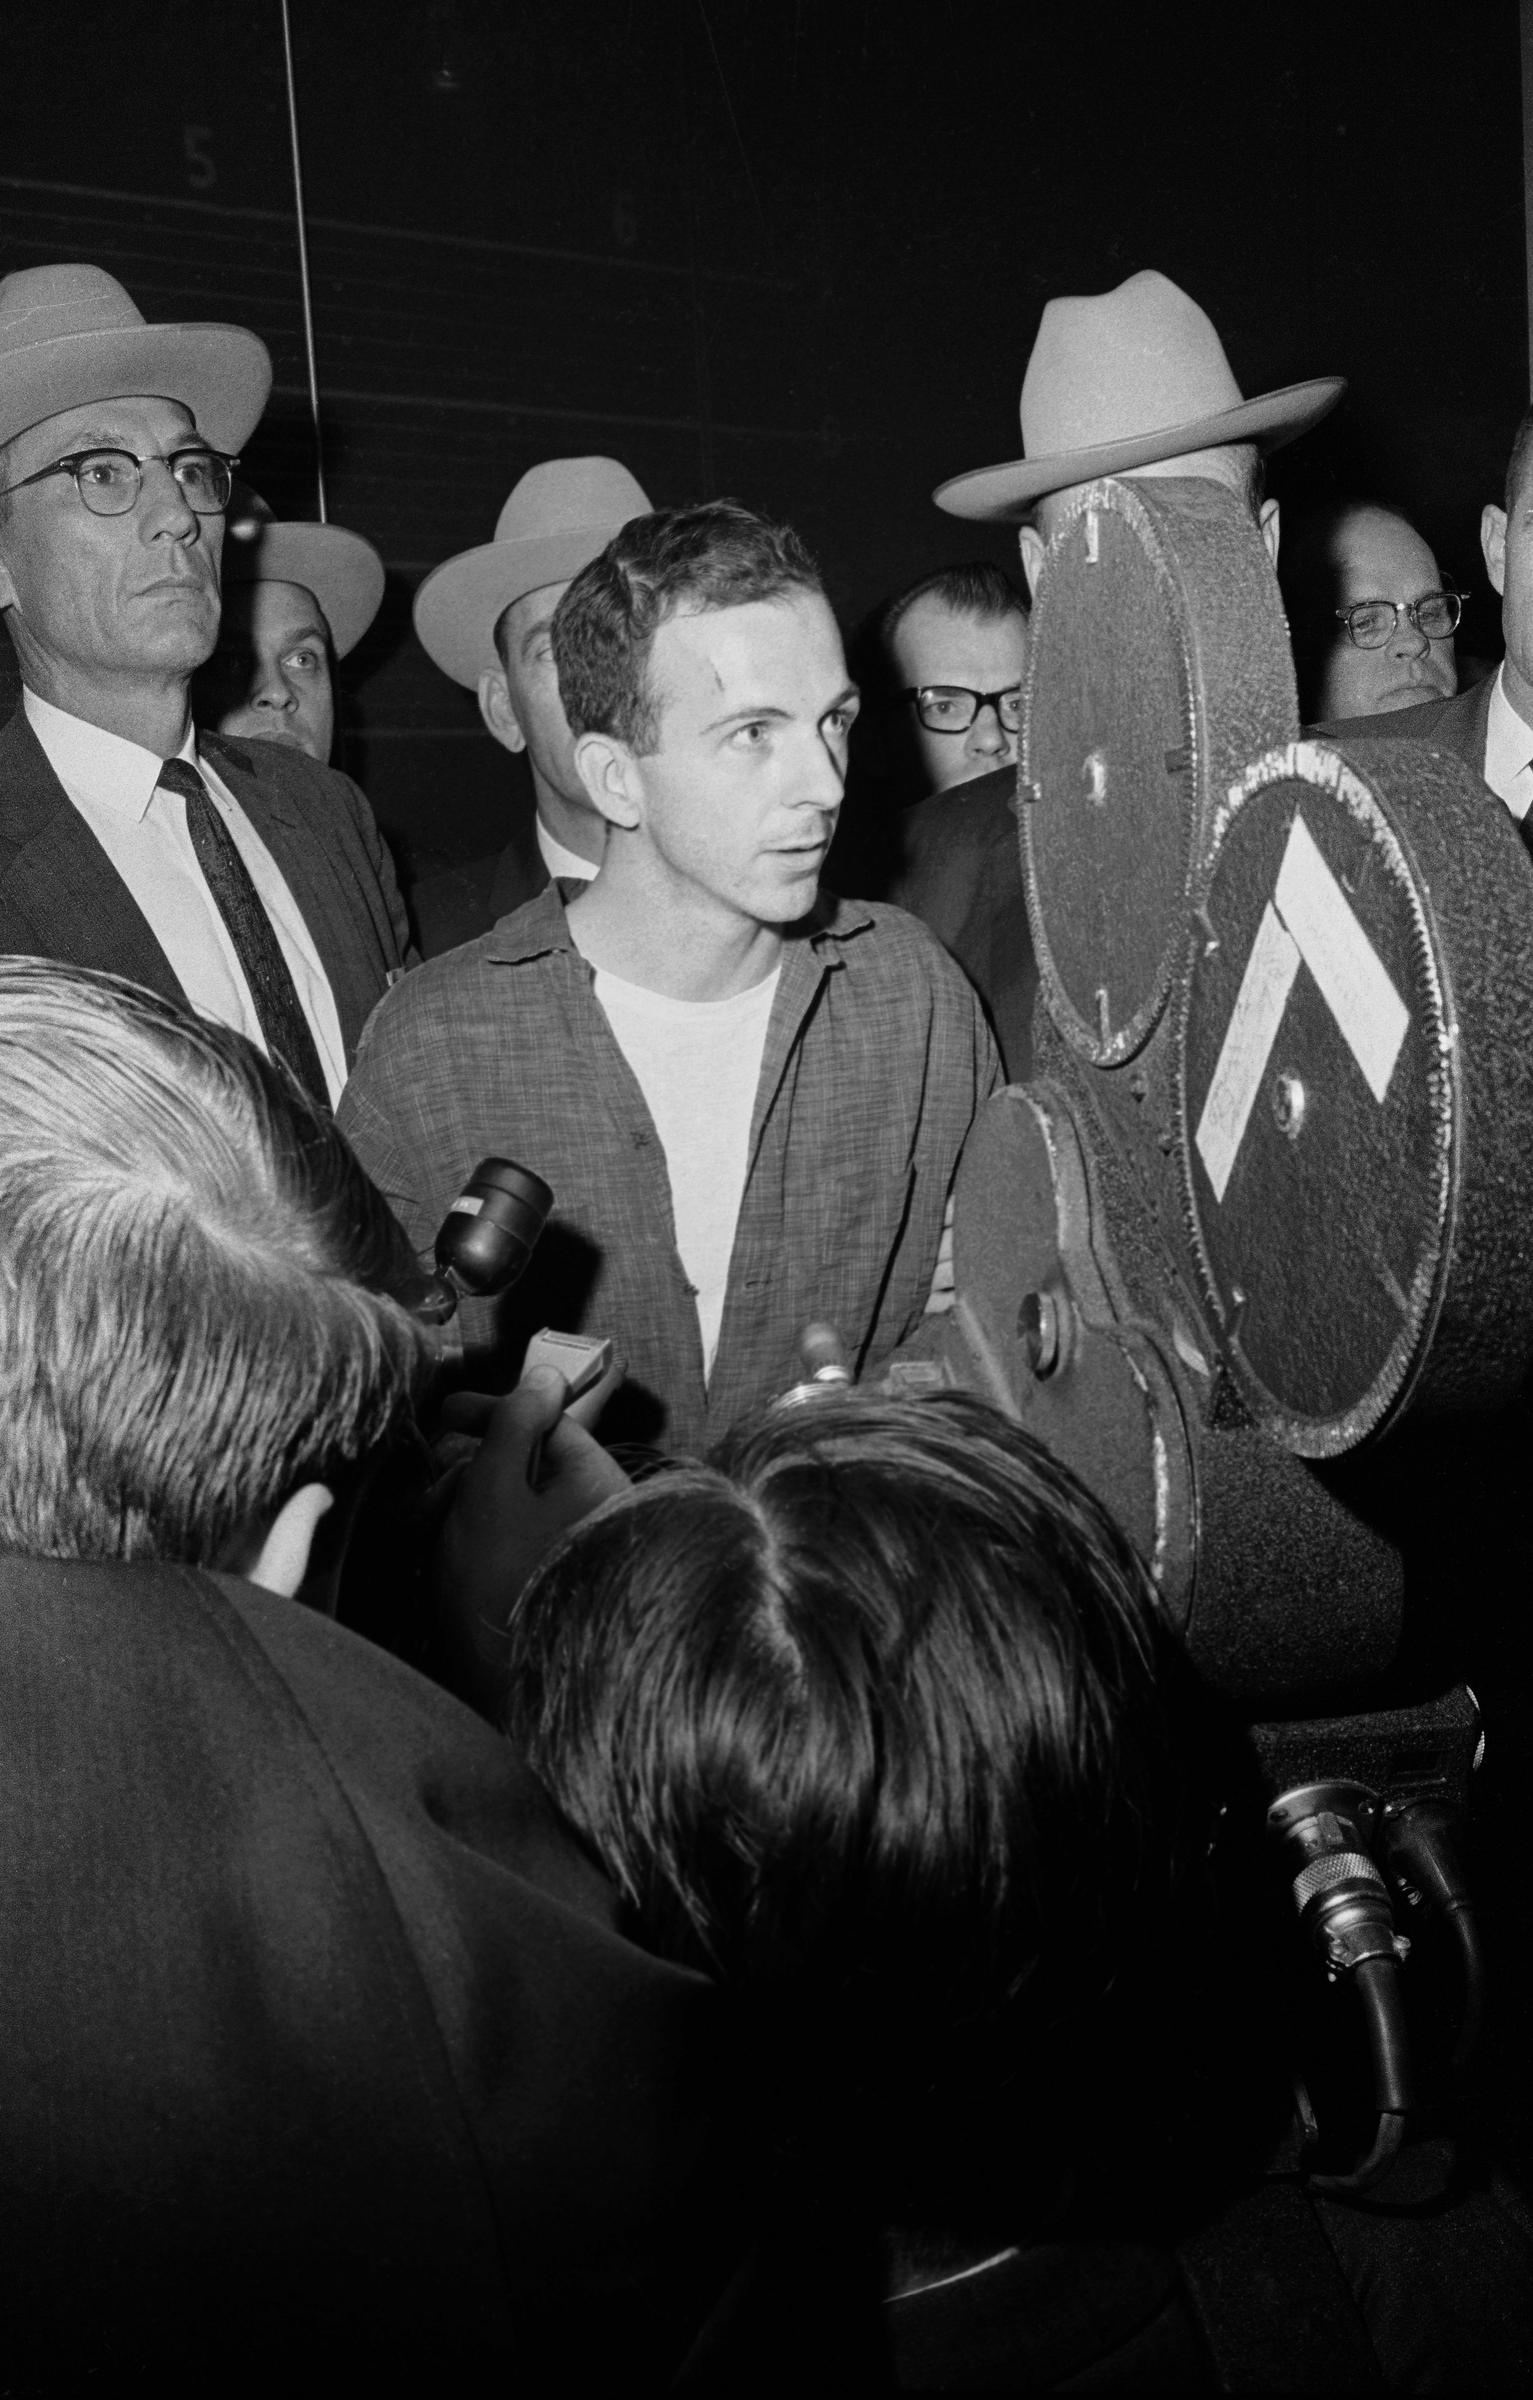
974 589
1517 464
674 561
870 1719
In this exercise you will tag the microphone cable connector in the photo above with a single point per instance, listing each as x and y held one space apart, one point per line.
1323 1833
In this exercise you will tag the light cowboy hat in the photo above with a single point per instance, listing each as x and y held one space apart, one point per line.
70 335
560 516
1120 380
344 573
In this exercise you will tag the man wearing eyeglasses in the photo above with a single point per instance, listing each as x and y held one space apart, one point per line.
1372 621
954 648
1490 725
249 882
956 643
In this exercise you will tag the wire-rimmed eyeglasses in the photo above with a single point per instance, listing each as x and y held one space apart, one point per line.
109 481
952 707
1371 623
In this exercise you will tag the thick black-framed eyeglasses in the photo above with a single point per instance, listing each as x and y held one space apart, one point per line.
109 481
1371 623
952 707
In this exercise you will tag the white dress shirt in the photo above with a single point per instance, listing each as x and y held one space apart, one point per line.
563 864
115 786
1508 752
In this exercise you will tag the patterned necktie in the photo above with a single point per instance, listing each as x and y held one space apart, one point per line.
277 1005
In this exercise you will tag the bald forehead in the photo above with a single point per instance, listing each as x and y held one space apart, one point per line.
1378 556
934 643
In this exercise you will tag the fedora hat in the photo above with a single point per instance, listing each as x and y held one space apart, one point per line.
344 573
70 335
560 516
1120 380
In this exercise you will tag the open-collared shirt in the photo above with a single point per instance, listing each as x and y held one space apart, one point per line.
115 785
877 1057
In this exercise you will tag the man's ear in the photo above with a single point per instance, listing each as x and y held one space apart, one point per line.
281 1560
610 773
1269 521
1034 550
1493 544
496 709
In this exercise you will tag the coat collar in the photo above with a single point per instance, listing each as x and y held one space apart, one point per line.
541 926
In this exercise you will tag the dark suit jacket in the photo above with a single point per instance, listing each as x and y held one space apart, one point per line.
1458 724
61 897
962 876
458 904
323 2056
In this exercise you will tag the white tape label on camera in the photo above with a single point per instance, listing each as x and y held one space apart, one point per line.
1309 919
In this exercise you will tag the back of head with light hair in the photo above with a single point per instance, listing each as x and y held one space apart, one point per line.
203 1299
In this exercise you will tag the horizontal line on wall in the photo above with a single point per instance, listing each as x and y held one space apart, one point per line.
394 233
537 408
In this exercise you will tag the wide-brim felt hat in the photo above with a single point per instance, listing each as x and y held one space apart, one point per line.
70 335
344 573
1123 379
560 516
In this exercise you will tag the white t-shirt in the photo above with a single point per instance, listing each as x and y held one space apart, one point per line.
698 1063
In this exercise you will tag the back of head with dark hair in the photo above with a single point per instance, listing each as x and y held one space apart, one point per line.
203 1299
673 561
869 1718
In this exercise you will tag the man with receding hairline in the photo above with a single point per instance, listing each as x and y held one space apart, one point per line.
1491 725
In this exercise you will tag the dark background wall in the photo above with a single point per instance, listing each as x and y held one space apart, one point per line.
790 249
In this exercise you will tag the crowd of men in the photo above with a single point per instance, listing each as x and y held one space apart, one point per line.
326 2026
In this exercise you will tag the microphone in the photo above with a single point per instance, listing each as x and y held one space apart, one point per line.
487 1236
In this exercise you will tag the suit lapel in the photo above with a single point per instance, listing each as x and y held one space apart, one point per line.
1464 725
300 849
60 883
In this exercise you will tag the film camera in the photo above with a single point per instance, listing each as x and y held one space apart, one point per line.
1249 1253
